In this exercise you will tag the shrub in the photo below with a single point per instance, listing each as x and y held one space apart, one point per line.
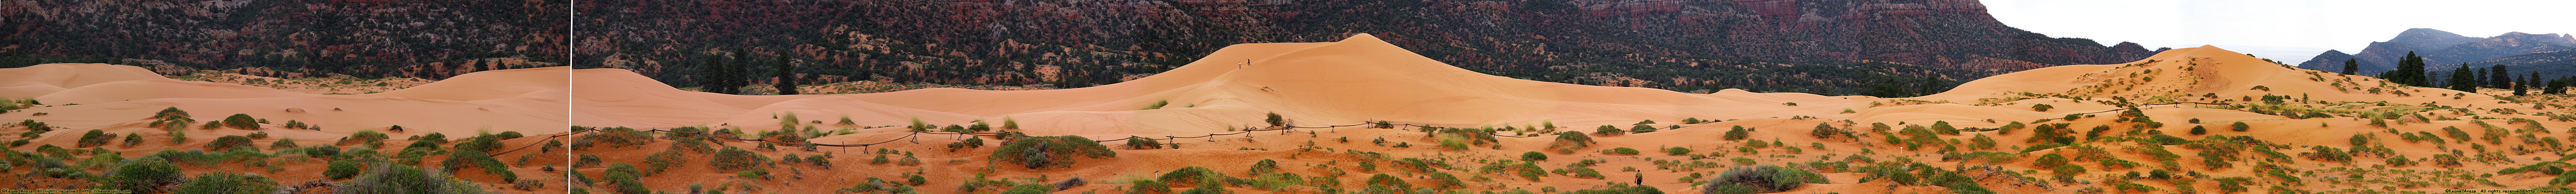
1148 187
480 144
2041 107
2239 126
586 161
1567 142
1274 120
241 121
2066 173
1737 133
968 143
144 175
2199 130
1761 179
1607 130
1533 156
95 138
282 144
624 178
1621 151
228 183
731 158
1677 151
1192 176
462 159
341 169
1822 131
1050 151
228 142
1263 167
131 139
2049 160
1141 143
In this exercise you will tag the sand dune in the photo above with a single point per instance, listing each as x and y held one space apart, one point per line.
1355 80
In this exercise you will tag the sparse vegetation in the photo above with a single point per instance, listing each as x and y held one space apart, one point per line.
1050 151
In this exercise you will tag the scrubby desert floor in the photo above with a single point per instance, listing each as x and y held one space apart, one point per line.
100 126
2192 120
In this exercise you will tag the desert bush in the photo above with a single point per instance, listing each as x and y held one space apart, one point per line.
1142 143
95 138
282 144
1263 167
2041 107
968 143
624 178
132 139
1607 130
1621 151
1761 179
1567 142
617 137
2239 126
1533 156
1824 131
2049 160
1677 151
228 183
731 158
1193 176
1274 119
228 142
144 175
1737 133
341 169
1050 151
462 159
480 144
1148 187
2067 173
241 121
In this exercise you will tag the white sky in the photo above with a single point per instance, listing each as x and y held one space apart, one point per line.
2275 28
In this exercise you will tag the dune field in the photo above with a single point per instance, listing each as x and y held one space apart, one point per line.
102 119
1362 115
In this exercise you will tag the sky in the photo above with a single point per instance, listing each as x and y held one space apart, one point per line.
2286 30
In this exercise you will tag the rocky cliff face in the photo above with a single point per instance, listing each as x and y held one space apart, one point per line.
1680 44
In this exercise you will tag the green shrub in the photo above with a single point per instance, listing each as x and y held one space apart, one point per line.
2041 107
1533 156
462 159
1274 120
1677 151
144 175
1192 176
341 169
95 138
1142 143
2067 173
282 144
228 142
1148 187
241 121
228 183
1762 179
624 178
1822 131
731 158
2239 126
1050 151
132 139
1621 151
1264 167
2049 160
1738 133
1607 130
1567 142
2199 130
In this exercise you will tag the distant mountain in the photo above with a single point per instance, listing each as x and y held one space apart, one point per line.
2444 50
2332 61
1831 46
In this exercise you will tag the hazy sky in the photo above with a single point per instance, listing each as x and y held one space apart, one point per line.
2272 28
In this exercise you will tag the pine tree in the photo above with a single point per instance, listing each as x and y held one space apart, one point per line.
2462 79
2503 77
2351 66
2522 87
786 76
2409 72
711 75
